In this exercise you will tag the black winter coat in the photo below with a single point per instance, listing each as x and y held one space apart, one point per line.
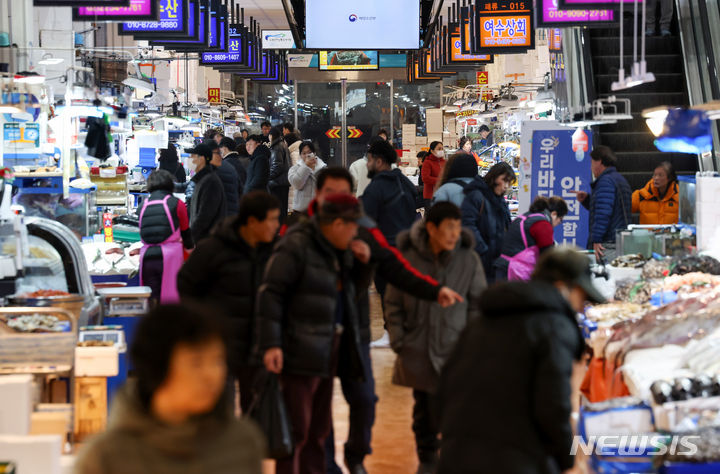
207 205
226 272
487 215
391 200
297 302
227 174
505 391
234 159
387 262
280 164
258 172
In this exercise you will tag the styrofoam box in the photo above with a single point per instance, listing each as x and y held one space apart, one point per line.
96 361
408 140
16 395
435 138
421 141
39 454
409 129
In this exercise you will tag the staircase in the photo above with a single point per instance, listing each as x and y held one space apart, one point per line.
631 140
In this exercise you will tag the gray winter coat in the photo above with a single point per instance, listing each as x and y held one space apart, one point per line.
422 333
138 443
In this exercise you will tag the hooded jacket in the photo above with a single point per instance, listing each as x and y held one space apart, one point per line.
297 302
207 205
655 209
391 200
487 215
226 272
431 171
422 333
610 205
136 442
258 172
303 180
505 391
453 191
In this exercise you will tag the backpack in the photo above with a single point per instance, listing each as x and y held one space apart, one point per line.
521 265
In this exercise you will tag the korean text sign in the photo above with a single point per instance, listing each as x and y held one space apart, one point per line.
557 170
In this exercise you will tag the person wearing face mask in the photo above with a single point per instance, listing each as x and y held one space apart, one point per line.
207 206
432 169
659 201
466 145
302 177
522 424
528 237
486 213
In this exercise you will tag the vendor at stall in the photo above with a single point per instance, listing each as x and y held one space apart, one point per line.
164 230
658 202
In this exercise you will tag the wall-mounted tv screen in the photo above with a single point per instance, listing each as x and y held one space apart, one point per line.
369 24
348 60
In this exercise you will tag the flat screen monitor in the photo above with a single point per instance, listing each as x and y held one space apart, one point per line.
369 24
348 60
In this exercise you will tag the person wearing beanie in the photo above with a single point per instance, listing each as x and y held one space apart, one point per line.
207 205
170 162
306 317
519 423
459 171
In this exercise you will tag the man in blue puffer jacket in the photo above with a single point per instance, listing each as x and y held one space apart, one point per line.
609 202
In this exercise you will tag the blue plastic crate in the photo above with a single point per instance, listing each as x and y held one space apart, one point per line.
39 184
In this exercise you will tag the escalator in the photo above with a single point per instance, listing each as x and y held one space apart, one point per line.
631 140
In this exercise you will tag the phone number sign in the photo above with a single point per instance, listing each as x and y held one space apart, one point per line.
506 31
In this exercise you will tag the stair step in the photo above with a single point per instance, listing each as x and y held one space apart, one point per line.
657 64
640 101
653 45
663 83
646 162
635 141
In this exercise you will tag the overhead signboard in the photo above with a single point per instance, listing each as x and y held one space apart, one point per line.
277 39
234 51
456 54
549 15
141 10
81 3
174 20
198 32
348 60
503 27
584 4
299 60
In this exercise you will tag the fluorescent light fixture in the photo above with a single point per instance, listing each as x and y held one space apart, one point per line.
655 119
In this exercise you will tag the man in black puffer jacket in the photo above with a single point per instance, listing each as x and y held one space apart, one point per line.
308 323
227 150
207 204
258 173
388 262
505 392
226 269
229 178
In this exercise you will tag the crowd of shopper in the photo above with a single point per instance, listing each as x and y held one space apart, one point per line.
279 283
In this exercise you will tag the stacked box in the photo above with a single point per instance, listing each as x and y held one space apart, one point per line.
409 130
434 122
